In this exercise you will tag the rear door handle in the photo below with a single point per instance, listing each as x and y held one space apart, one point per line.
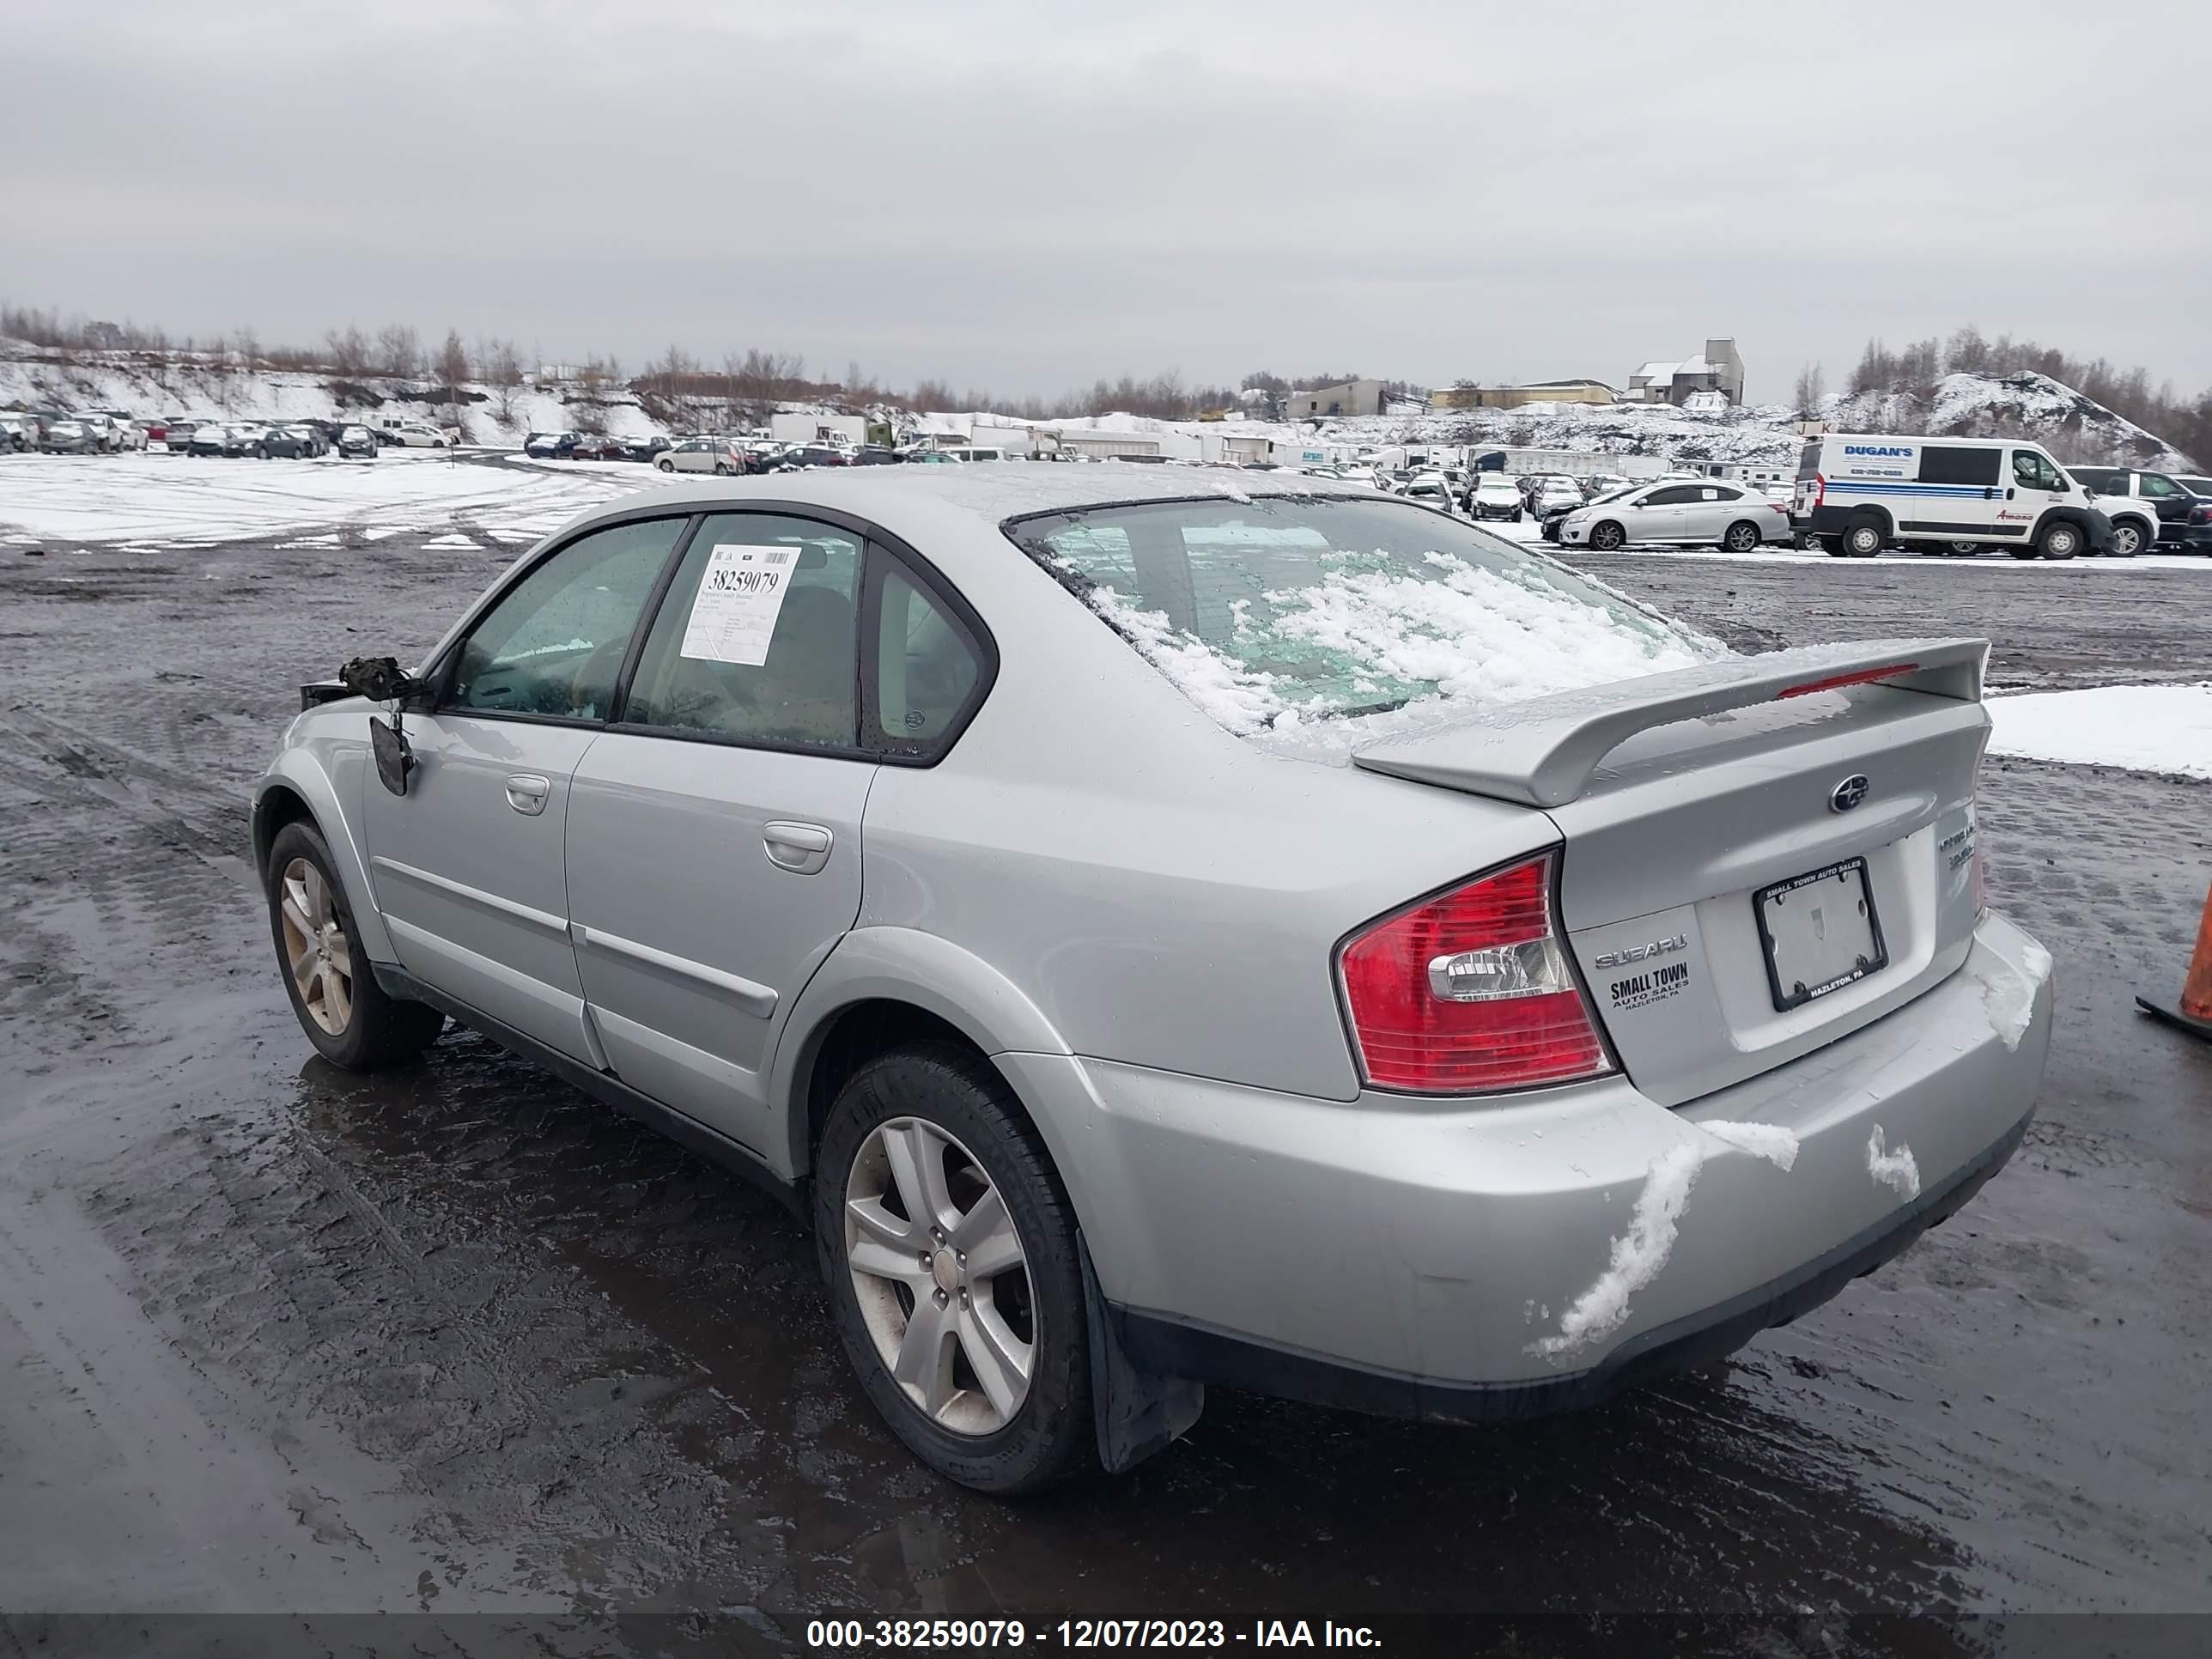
801 848
526 793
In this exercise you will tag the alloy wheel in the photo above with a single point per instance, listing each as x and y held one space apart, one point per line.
315 948
941 1276
2127 541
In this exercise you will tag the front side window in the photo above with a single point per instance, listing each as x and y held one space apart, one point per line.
2032 471
757 639
1316 622
553 645
2159 487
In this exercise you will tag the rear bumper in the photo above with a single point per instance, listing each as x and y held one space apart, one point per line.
2188 538
1422 1257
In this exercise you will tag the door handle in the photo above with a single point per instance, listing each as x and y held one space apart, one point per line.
801 848
526 793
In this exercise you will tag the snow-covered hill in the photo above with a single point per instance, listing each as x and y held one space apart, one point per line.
2072 427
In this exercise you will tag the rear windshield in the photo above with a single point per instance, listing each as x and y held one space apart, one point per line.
1319 622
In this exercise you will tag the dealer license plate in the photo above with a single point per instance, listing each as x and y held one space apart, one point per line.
1819 931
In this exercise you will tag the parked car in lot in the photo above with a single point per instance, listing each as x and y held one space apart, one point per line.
412 435
2147 509
212 438
105 431
1495 496
1590 1035
550 446
645 449
1554 495
295 442
356 443
1859 493
1707 513
720 456
1430 489
18 431
798 455
69 436
596 449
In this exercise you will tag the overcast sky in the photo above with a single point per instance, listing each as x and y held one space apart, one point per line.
1025 196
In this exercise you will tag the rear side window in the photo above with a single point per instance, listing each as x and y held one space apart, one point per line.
1317 621
1808 460
757 639
1952 465
926 667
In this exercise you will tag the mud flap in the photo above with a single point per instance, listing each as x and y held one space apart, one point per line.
1138 1413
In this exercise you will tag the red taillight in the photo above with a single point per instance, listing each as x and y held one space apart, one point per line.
1471 991
1836 683
1819 488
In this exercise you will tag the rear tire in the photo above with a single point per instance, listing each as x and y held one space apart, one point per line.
1608 538
1742 537
721 468
947 1103
1863 539
2060 541
327 974
1962 550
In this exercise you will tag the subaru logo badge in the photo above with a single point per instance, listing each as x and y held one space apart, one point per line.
1848 794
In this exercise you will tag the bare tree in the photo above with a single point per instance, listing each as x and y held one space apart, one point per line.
400 352
453 360
349 351
1811 388
499 364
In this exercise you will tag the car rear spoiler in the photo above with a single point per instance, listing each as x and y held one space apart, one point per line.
1542 752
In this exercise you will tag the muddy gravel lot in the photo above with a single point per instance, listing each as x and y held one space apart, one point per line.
275 1338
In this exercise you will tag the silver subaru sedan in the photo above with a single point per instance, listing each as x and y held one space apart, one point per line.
1168 926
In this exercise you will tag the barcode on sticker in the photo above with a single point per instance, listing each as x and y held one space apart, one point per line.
776 555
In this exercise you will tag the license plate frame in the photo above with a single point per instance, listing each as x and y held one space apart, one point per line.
1794 992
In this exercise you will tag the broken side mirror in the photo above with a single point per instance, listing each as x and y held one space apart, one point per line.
395 759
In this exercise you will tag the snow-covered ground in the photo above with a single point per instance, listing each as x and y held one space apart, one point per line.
2142 728
156 497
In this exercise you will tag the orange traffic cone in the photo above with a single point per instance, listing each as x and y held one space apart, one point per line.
2193 1013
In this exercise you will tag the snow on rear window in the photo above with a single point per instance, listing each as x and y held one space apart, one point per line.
1310 624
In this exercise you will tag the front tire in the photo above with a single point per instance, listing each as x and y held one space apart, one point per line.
665 466
1863 539
950 1251
334 994
1608 538
2060 541
2127 539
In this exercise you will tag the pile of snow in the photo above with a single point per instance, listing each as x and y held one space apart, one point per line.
1639 1255
2143 728
1897 1170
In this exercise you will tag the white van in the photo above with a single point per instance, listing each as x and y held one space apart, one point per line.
1857 493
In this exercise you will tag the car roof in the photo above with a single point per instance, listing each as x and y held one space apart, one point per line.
898 496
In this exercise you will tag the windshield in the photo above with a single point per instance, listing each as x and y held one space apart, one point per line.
1277 615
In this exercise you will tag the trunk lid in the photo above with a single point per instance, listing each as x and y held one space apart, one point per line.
1723 827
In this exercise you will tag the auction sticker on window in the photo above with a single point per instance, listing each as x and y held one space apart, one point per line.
740 596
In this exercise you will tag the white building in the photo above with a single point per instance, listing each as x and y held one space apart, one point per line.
1321 401
1718 369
